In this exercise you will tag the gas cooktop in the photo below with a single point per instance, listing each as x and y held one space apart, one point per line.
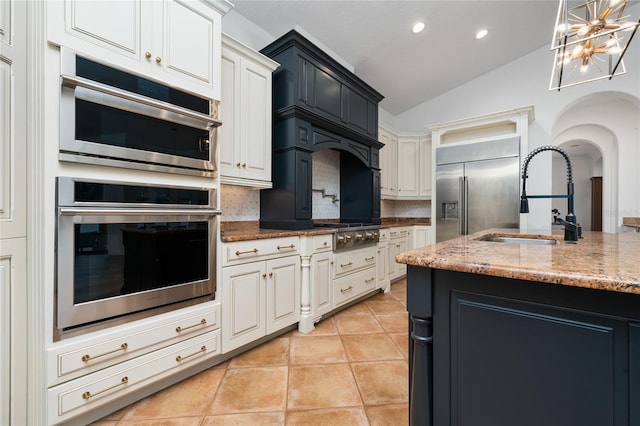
341 224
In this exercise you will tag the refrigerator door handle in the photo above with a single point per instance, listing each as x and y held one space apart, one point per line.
465 204
461 206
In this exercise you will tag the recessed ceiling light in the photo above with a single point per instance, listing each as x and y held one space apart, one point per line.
481 34
418 27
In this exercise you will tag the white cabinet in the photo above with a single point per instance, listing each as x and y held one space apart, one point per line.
382 261
398 243
321 275
422 236
354 274
408 167
87 371
13 213
259 297
388 164
245 111
407 158
174 41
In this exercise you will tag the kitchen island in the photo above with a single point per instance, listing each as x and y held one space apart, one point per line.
525 334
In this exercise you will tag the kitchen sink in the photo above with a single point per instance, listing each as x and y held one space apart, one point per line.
518 239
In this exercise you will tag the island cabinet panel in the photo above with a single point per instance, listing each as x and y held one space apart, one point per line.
500 351
634 372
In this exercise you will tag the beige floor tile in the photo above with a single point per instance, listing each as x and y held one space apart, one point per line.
394 323
178 421
402 341
370 347
191 397
251 390
272 353
391 306
262 419
386 415
317 350
325 327
384 382
355 324
359 309
352 416
381 297
321 386
400 295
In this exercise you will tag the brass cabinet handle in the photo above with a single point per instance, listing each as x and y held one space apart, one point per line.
182 358
147 55
202 322
254 251
290 246
88 394
342 265
369 258
344 290
87 357
158 59
237 164
270 274
369 280
324 244
244 165
264 275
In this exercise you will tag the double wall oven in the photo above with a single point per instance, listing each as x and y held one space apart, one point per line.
125 250
131 249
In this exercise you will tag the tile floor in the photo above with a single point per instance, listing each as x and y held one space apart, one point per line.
351 370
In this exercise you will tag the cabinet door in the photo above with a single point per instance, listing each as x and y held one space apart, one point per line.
421 236
388 165
634 373
382 265
321 275
283 293
229 114
189 53
425 167
243 296
256 121
408 167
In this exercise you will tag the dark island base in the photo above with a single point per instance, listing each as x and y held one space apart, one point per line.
495 351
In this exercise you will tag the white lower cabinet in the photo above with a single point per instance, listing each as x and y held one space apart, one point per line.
87 371
322 271
259 297
354 274
421 236
398 243
85 393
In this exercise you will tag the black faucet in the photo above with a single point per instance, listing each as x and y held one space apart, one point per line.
572 230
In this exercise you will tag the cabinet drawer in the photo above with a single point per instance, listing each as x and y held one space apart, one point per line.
322 243
353 285
354 260
105 349
83 394
395 233
240 251
384 235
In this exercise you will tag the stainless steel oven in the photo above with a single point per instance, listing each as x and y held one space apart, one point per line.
111 117
127 249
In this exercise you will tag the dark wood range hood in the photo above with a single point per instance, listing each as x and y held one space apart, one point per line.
318 104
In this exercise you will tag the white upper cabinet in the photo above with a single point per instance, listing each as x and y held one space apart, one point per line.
173 41
406 166
388 164
245 111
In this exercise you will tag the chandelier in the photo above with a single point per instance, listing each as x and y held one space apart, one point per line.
590 38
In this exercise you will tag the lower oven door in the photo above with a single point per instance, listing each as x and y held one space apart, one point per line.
115 262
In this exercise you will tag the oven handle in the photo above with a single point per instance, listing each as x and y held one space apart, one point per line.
72 211
74 82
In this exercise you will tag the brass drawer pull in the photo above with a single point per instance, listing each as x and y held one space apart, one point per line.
182 358
88 394
290 246
254 251
87 357
344 290
369 258
202 322
342 265
369 280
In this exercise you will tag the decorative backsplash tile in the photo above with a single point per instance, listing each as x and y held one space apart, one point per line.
239 203
326 176
405 208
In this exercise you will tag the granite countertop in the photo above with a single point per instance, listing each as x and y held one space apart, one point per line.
250 230
599 260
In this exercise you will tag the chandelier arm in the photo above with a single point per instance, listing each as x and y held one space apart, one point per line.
625 49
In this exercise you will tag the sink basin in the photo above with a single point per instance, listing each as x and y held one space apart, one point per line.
518 239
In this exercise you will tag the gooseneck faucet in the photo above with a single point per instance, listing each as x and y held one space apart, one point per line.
572 230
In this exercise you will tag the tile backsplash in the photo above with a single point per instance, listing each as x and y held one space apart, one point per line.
239 203
406 208
326 176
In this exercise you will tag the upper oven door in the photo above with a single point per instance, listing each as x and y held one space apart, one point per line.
109 116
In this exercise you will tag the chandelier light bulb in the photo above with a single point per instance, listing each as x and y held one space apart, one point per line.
418 27
481 34
583 30
562 28
584 68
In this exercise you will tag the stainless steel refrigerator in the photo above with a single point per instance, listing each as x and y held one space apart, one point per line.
477 187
